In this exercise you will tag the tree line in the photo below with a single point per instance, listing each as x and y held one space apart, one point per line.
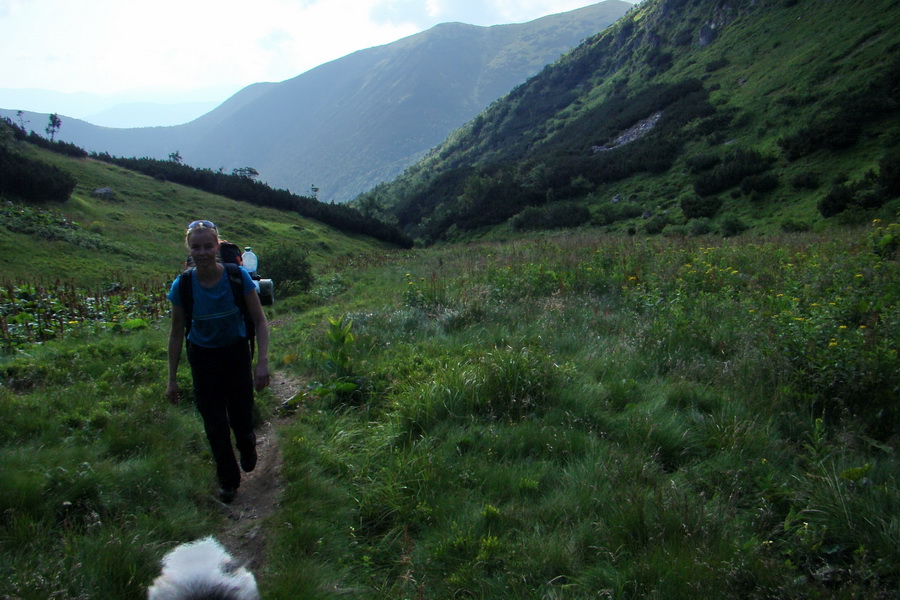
33 180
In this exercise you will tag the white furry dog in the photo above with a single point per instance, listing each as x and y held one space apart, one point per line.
202 570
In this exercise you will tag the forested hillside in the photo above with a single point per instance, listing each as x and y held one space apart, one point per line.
685 116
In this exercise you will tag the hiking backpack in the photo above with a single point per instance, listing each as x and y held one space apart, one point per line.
186 292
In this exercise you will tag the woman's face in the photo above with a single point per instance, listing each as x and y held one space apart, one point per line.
203 245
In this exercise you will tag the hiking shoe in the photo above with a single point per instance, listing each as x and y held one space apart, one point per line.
227 494
248 460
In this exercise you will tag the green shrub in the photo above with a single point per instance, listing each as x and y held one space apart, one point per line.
554 216
805 181
703 162
33 180
698 207
732 226
759 184
735 167
289 269
794 226
697 227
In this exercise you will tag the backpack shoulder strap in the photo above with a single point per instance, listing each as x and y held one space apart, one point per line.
237 290
186 292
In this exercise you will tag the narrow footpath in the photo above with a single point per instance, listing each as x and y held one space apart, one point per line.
258 497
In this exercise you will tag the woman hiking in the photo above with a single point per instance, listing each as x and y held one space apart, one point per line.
207 307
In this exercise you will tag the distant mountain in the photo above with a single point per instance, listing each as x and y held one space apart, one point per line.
360 120
129 109
686 116
160 115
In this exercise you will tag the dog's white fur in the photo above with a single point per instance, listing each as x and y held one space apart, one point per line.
202 570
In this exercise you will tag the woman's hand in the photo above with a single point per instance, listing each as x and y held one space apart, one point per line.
172 392
261 375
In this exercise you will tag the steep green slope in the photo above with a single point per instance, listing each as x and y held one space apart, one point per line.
743 111
136 234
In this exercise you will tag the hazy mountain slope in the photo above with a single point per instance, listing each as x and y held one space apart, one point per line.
730 108
351 123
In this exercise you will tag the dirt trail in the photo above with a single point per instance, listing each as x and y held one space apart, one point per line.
259 494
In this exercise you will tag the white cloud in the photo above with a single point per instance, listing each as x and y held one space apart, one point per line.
109 46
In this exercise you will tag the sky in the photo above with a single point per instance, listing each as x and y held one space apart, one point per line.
209 49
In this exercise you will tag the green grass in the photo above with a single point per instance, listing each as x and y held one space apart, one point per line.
642 418
559 417
139 235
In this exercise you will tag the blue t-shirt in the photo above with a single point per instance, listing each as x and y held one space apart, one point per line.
217 320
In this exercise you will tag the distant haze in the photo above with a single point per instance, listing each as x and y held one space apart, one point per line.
84 58
352 123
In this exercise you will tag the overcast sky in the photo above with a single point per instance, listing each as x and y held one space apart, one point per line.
113 46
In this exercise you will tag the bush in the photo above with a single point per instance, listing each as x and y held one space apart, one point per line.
621 211
698 227
860 196
759 184
732 226
703 162
794 226
735 167
554 216
805 181
656 224
289 269
696 207
33 180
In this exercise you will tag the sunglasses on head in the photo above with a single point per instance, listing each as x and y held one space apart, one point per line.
202 223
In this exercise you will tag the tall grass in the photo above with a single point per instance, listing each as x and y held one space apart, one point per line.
100 476
625 417
569 417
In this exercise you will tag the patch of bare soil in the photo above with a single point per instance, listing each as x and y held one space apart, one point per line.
258 497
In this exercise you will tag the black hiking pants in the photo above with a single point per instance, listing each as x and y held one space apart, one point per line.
223 392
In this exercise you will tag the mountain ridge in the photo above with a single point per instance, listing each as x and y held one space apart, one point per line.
351 123
763 105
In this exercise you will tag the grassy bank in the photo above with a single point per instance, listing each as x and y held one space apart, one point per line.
572 417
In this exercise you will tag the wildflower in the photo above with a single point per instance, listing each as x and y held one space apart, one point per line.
832 343
842 327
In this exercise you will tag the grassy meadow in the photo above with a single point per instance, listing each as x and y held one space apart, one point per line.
571 416
138 234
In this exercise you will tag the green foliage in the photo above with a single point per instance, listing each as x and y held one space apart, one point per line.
33 180
239 186
554 216
639 415
335 360
735 167
99 477
614 116
37 313
631 414
699 207
288 266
